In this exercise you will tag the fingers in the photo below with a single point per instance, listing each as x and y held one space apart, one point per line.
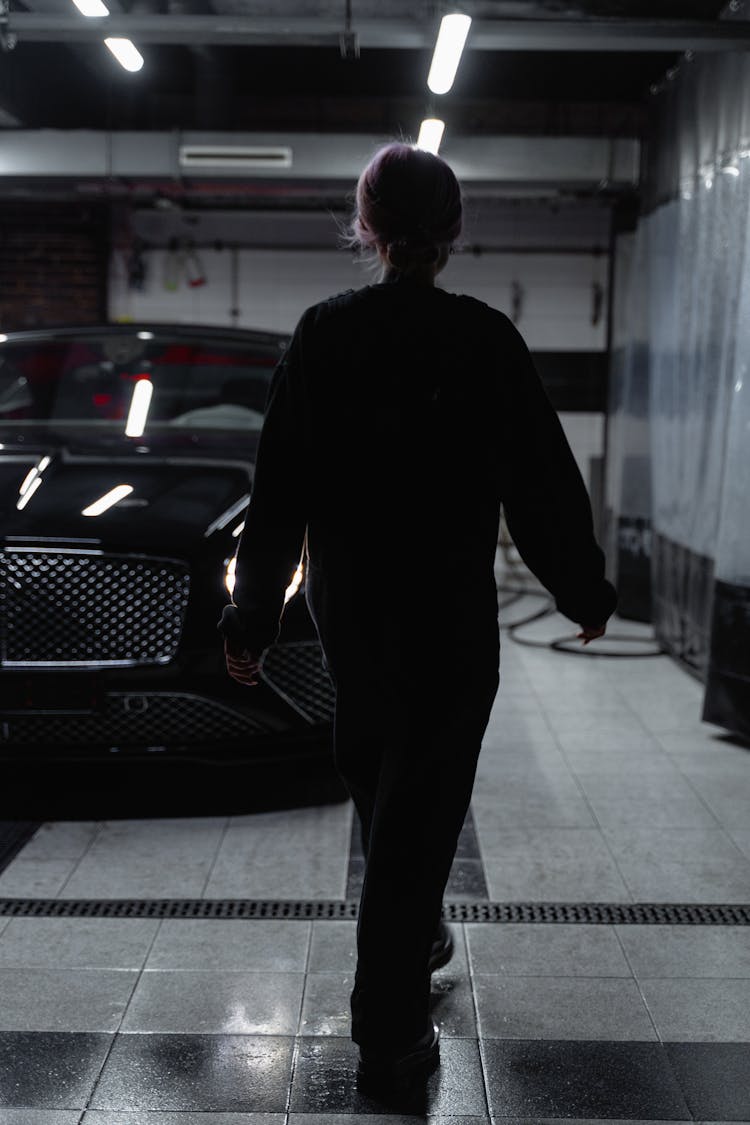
242 666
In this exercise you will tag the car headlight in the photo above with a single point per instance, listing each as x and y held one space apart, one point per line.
230 567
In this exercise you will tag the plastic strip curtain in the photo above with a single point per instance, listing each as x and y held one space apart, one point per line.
691 258
628 468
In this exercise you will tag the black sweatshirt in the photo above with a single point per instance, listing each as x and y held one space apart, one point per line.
397 421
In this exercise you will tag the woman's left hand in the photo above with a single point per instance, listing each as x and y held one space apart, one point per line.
242 665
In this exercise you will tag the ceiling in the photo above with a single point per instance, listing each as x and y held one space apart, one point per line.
297 79
277 71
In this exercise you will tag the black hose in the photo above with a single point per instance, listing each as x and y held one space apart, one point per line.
570 644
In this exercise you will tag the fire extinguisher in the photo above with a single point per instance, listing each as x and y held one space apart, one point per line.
181 259
193 268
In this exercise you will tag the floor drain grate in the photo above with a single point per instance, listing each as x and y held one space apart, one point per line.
596 913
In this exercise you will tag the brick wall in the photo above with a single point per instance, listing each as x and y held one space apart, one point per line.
53 264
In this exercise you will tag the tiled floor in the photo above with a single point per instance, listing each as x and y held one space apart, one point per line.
598 782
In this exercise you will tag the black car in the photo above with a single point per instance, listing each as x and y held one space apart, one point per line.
126 463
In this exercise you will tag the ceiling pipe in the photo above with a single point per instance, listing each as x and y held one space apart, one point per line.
594 34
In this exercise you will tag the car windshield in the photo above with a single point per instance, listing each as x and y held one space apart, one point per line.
123 381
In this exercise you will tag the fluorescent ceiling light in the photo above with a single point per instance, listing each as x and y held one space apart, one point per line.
230 514
91 7
119 492
27 480
126 53
3 338
430 134
139 404
447 53
145 335
28 492
32 475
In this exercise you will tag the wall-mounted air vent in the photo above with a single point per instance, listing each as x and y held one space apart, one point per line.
235 156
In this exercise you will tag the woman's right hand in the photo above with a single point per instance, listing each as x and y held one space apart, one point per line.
591 632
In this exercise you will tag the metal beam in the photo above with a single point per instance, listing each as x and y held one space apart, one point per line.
323 158
597 34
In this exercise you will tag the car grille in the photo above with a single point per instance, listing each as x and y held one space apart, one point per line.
152 719
295 672
66 607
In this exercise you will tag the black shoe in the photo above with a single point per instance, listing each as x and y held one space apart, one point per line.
442 948
381 1072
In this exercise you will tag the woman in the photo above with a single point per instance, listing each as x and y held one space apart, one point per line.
399 419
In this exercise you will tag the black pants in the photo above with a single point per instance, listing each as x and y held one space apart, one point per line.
410 715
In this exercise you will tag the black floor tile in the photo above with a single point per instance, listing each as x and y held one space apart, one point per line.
452 1004
468 844
355 878
467 880
249 1073
325 1081
466 848
583 1079
50 1069
715 1078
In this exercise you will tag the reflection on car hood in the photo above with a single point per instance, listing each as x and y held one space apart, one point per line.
177 499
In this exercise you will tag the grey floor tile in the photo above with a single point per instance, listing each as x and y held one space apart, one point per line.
584 712
699 1010
713 1077
505 730
552 800
383 1118
235 944
326 1010
740 837
687 951
324 829
680 864
216 1003
61 839
603 1008
77 943
459 962
666 714
244 871
654 799
97 876
212 1073
325 1080
39 1116
333 947
53 1070
452 1006
553 865
545 949
42 999
526 758
588 1081
171 836
683 744
35 878
307 875
160 1117
723 785
609 735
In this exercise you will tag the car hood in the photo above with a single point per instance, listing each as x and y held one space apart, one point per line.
174 499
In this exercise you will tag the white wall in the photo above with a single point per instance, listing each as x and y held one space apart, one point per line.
275 286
